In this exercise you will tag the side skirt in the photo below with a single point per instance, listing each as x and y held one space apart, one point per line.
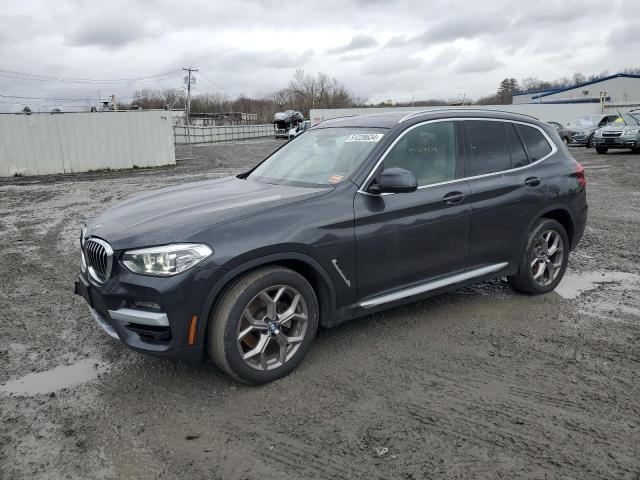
434 285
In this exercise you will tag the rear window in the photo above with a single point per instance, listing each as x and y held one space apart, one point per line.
489 148
536 143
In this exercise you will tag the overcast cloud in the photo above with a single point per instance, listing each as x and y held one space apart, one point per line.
379 49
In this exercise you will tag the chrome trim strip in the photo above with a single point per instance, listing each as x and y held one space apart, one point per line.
109 252
104 324
554 149
143 317
337 267
426 287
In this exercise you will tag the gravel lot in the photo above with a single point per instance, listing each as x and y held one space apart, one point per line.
478 383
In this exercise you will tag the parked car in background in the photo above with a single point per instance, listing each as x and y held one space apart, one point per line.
564 133
622 133
357 215
583 128
294 132
286 121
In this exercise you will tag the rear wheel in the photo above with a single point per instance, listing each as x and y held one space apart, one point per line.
544 259
602 150
263 325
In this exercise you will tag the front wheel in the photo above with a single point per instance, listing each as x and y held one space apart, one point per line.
590 141
544 260
263 325
601 150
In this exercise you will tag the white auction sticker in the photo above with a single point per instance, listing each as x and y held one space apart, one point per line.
364 137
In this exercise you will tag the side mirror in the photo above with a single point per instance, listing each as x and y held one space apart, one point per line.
394 180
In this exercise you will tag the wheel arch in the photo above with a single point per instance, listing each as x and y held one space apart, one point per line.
563 216
305 265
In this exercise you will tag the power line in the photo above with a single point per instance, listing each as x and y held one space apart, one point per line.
64 99
78 80
212 84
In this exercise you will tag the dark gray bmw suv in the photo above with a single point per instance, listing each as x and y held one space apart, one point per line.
357 215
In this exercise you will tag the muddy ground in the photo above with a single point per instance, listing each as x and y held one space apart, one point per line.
481 383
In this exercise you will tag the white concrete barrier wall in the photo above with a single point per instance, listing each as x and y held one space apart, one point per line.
545 112
41 144
222 133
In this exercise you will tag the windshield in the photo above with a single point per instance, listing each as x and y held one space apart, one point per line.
588 121
625 120
322 156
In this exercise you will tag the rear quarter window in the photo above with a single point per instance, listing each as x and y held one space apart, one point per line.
536 143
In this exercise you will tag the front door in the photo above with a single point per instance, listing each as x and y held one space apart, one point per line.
405 239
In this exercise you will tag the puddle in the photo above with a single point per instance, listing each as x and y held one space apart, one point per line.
572 285
60 377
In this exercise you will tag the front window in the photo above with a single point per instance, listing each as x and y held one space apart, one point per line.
428 151
320 157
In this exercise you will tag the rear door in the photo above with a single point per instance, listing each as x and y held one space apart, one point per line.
505 192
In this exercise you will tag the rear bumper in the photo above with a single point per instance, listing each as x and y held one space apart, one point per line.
174 330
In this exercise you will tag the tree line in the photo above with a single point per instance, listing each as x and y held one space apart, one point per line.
303 93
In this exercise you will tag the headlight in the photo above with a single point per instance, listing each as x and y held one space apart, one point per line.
635 131
166 260
583 132
598 133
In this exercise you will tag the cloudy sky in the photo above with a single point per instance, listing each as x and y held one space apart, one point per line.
379 49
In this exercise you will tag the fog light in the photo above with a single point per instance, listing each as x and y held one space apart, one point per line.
147 306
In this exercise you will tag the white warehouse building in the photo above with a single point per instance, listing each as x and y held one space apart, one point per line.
621 89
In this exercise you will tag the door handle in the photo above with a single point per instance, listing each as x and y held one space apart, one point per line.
532 181
453 197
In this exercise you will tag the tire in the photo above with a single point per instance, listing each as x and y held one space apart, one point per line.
635 150
602 150
590 141
231 335
525 280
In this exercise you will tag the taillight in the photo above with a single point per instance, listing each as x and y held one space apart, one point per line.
580 175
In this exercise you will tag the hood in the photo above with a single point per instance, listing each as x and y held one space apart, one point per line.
173 214
579 128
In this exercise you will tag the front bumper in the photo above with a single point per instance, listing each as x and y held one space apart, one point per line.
617 142
579 140
175 330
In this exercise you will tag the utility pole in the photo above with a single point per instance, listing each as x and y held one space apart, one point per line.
188 80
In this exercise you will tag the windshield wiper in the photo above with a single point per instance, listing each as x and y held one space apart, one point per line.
622 117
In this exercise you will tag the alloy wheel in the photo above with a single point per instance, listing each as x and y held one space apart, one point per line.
548 254
272 327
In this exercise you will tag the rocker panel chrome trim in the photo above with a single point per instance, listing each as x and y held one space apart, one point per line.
426 287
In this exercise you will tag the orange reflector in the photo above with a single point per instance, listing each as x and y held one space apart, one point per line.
192 330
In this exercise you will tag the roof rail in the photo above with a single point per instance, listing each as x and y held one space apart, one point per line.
422 112
334 118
